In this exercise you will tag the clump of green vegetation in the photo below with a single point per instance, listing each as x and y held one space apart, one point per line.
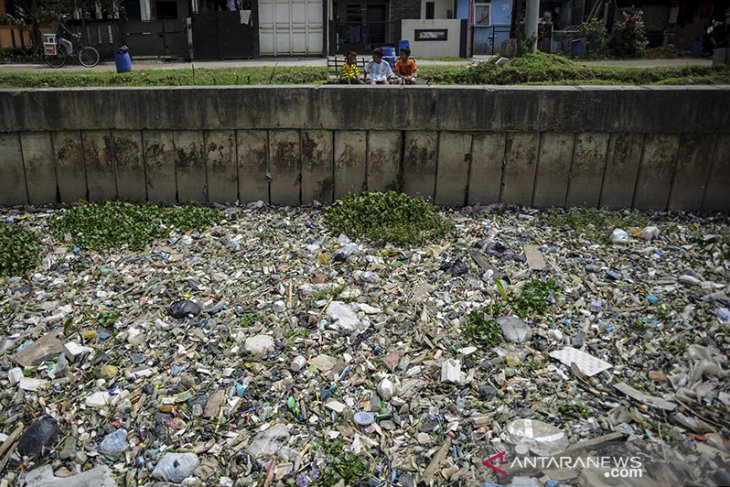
596 38
482 328
115 224
638 327
576 408
20 250
596 225
330 293
387 217
534 363
551 69
534 297
107 320
298 332
534 67
248 320
174 77
341 465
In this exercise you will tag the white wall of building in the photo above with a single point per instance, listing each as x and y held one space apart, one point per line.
441 8
448 48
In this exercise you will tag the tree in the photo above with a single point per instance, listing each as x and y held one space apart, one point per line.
595 33
628 37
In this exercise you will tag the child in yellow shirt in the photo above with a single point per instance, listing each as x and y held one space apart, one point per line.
350 74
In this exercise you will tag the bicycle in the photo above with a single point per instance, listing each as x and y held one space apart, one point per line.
56 53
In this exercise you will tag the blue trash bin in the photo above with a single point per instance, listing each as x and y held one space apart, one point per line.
576 46
122 61
389 55
695 47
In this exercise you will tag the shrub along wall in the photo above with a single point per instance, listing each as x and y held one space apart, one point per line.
642 147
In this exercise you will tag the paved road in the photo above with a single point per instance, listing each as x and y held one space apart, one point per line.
242 63
321 62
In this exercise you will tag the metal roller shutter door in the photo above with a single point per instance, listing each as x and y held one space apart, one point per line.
290 27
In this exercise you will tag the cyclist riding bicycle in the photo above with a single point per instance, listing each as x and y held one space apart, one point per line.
64 35
69 45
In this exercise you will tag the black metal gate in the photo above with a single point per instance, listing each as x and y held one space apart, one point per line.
224 35
156 38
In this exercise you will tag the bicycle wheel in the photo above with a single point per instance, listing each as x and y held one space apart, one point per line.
88 57
56 60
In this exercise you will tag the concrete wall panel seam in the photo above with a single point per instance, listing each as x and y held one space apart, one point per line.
368 134
507 148
55 169
486 167
174 168
469 169
238 169
25 173
605 169
334 168
83 160
587 169
552 169
453 165
206 134
717 196
537 169
71 170
438 161
674 171
694 165
570 171
39 167
268 164
12 182
716 148
144 164
656 171
638 173
301 166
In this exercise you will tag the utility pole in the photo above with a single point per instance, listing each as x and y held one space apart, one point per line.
532 13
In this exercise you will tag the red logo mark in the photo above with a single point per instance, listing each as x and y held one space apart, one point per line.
488 462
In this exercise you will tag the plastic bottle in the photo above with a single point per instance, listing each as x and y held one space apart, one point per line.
723 314
541 438
114 443
524 482
175 467
619 236
298 363
61 366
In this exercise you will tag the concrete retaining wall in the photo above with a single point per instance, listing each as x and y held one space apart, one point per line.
649 148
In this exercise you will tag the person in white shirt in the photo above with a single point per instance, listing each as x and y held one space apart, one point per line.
377 70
